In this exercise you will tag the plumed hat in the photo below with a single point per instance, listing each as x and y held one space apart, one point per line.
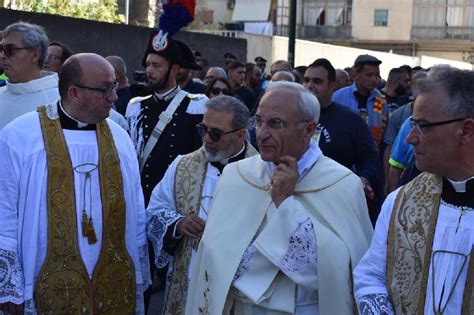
176 15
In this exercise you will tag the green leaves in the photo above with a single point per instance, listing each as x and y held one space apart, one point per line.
104 10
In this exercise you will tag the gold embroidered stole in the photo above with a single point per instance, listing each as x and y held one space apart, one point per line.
410 243
189 182
63 285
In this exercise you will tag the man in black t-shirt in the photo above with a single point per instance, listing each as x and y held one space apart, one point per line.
342 134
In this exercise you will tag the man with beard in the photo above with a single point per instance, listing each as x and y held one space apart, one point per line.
396 89
162 125
180 202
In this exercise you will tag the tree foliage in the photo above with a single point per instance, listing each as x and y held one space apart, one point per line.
103 10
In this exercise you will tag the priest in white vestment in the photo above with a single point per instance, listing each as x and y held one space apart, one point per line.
101 184
179 204
285 229
421 259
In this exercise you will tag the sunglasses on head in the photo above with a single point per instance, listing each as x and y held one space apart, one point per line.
217 91
8 49
214 134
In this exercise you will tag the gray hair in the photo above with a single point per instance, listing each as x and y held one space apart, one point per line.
118 63
230 104
458 85
220 71
308 103
34 36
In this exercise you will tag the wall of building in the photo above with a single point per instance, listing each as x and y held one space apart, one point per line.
306 52
400 14
219 9
127 41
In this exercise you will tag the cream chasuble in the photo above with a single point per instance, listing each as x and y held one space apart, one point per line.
334 202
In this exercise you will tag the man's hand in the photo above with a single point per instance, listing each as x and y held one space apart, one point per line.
191 226
284 179
12 309
369 192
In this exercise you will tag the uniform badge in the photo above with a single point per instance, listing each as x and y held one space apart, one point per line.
160 41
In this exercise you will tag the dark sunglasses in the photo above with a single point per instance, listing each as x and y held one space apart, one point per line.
217 91
214 134
8 49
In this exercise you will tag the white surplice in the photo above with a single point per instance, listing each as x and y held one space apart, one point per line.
162 213
294 259
370 275
23 206
17 99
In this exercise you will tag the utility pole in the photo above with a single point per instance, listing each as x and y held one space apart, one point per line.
292 33
127 8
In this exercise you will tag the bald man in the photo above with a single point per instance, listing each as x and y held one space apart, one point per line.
72 215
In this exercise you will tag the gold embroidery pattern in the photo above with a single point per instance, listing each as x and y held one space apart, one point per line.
114 274
204 310
189 182
63 285
410 241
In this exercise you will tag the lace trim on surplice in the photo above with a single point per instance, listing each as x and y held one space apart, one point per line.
12 282
158 223
244 265
375 304
301 253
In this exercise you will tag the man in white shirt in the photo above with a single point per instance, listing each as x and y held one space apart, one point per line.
72 216
22 53
179 203
421 257
285 228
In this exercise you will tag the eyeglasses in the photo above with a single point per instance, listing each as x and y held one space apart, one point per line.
106 91
8 49
272 123
214 134
217 91
420 126
51 57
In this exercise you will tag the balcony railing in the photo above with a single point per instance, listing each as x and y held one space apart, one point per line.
442 32
317 31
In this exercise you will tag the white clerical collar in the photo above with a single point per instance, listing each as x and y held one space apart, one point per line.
307 160
80 124
459 186
168 94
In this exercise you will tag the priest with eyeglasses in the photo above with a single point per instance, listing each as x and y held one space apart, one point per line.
180 203
421 260
285 228
72 214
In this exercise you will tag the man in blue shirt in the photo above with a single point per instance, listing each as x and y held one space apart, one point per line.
363 97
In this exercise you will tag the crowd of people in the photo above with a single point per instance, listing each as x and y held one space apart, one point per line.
229 189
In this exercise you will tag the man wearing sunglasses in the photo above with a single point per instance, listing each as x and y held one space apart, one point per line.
23 50
285 228
72 216
421 260
180 203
